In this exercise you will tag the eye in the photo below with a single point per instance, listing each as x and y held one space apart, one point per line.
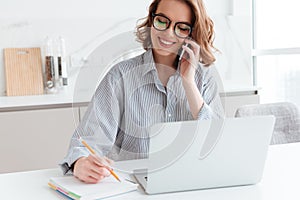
182 30
183 27
161 22
162 19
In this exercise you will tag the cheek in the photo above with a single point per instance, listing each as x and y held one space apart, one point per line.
153 34
154 38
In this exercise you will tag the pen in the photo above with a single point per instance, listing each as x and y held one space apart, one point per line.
93 152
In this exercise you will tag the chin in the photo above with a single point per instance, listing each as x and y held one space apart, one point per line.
163 52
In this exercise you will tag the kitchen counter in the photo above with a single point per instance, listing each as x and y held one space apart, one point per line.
66 98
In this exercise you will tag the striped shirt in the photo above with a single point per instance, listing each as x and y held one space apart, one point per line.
131 98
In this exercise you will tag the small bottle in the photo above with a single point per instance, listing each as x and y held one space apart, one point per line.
61 58
49 65
56 54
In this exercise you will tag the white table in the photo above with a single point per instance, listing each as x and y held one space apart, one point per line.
281 180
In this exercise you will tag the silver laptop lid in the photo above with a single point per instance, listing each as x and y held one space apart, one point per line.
208 153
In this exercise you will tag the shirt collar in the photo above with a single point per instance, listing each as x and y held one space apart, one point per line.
148 61
149 64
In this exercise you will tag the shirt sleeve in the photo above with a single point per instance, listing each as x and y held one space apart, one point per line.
212 107
100 123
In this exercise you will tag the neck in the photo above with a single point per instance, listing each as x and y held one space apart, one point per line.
165 67
165 60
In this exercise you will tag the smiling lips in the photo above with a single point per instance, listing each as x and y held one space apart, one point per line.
165 43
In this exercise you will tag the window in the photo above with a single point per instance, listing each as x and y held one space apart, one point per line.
276 50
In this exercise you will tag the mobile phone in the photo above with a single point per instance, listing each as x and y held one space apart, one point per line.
181 51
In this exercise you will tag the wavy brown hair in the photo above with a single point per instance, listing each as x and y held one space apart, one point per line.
202 32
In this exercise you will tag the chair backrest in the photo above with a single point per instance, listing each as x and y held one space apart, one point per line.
287 125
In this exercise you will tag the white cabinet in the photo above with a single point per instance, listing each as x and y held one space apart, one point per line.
35 139
232 103
39 138
82 111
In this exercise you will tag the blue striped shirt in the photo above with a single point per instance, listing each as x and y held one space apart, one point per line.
131 98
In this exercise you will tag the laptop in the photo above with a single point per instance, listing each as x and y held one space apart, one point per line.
192 155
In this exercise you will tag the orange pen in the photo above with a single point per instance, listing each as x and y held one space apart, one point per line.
93 152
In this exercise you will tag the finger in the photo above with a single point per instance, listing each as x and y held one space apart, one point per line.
97 172
90 179
101 171
100 161
105 161
93 164
99 167
109 161
189 51
194 46
192 43
104 171
96 160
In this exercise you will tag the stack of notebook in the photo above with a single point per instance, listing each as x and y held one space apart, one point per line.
75 189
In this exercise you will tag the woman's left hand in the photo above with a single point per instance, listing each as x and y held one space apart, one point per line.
190 60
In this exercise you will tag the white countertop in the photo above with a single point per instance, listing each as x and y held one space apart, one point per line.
66 98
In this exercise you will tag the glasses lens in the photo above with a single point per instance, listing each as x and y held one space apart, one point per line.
161 23
183 30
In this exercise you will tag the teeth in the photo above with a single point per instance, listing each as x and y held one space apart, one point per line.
166 42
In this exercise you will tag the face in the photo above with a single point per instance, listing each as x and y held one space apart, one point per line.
166 43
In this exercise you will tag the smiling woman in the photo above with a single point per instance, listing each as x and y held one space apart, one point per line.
150 88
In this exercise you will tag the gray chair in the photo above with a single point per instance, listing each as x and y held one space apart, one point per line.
287 124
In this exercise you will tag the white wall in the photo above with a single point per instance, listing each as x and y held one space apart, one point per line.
72 8
27 23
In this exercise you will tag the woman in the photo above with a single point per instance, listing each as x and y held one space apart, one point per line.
150 88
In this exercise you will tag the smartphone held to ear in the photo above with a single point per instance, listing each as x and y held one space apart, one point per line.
181 51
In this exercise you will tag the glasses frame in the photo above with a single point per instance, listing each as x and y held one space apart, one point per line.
170 22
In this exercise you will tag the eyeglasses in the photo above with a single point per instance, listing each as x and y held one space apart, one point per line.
162 23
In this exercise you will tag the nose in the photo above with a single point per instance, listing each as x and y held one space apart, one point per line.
170 31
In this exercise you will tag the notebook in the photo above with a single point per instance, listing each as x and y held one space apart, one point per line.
76 189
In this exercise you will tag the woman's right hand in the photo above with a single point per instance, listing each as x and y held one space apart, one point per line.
92 169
